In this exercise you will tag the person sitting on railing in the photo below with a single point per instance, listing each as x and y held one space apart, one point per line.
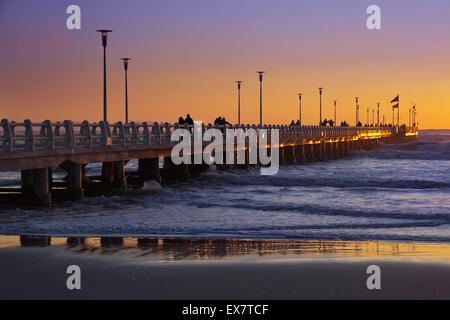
181 121
324 123
218 121
292 123
359 124
297 123
331 122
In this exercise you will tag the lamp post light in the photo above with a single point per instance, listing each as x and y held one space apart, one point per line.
239 101
125 66
260 73
104 34
300 108
320 95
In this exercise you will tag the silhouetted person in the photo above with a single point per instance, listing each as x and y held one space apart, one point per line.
181 121
189 120
297 123
331 122
218 121
292 123
225 122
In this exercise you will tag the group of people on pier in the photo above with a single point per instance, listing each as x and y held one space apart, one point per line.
189 121
222 121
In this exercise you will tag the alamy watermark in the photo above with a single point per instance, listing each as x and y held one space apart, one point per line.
374 280
191 148
74 280
73 21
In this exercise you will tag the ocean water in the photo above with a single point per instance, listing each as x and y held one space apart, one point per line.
393 193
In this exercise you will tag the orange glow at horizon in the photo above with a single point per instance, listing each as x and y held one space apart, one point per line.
181 67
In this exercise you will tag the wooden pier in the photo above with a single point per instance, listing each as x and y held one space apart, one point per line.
37 149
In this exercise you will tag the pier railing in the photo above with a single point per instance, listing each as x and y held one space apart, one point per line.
72 136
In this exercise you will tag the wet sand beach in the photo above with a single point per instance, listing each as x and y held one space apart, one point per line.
226 269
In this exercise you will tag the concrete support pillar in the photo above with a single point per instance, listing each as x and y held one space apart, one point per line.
107 173
309 153
183 172
246 165
336 151
281 150
119 178
322 151
226 166
346 147
340 149
148 169
289 154
176 172
350 145
42 187
300 157
316 151
329 150
27 182
75 181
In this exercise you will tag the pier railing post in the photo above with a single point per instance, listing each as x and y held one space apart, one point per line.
29 135
68 125
7 132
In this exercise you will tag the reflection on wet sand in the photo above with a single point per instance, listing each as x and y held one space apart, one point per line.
208 249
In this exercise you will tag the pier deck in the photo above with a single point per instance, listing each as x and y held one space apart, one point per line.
36 148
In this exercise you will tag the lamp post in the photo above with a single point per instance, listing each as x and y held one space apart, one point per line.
239 101
320 95
373 117
300 108
368 116
104 34
335 101
409 123
125 66
260 73
357 111
378 114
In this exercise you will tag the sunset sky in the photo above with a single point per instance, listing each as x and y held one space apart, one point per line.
187 55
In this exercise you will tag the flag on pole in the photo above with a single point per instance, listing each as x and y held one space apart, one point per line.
396 99
395 106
